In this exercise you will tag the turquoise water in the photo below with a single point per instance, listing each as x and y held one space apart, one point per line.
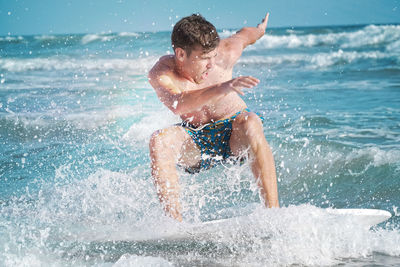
76 114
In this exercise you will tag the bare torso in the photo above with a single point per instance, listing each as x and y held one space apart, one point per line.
222 108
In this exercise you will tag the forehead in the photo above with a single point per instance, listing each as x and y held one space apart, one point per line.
199 52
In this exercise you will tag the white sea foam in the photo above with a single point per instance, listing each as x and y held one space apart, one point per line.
45 37
308 236
317 60
139 65
141 131
88 38
394 47
28 259
94 119
367 36
41 122
140 261
103 37
290 41
377 156
11 38
128 34
114 206
372 35
226 33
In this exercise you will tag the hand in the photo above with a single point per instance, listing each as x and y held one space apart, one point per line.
263 25
237 84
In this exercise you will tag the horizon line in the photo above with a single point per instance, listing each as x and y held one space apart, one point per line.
161 31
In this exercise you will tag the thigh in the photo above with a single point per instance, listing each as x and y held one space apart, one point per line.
246 127
189 154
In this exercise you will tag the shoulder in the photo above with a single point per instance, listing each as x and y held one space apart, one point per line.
230 50
163 65
163 68
161 76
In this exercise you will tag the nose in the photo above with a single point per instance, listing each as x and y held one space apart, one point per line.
210 63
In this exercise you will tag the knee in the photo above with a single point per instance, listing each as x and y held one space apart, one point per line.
157 141
161 142
154 140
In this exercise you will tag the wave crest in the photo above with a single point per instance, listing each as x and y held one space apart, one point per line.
370 35
58 63
317 60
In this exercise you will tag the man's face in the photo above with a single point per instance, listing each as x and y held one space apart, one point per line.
198 64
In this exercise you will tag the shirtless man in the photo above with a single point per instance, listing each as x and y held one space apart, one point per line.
196 83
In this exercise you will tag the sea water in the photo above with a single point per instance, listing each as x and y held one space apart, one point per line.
77 112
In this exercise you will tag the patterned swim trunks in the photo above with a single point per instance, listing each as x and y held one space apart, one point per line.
213 141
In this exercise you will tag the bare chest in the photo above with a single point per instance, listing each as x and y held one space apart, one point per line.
215 110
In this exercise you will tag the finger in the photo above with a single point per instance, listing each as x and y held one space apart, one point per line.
265 20
249 84
252 80
245 84
247 78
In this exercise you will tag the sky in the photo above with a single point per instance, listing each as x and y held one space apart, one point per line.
28 17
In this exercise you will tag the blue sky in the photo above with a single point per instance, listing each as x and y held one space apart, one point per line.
19 17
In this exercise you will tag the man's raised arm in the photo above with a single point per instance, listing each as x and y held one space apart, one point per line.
251 34
240 40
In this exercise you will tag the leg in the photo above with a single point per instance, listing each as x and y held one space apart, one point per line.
247 132
167 148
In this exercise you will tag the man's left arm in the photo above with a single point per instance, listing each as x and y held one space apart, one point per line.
250 35
236 43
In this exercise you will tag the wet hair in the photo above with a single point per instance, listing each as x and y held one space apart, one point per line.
193 31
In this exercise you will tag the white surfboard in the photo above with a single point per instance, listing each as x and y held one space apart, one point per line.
176 232
365 218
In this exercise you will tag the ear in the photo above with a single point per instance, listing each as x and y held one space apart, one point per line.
180 54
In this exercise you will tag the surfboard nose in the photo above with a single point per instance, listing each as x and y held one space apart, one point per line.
367 217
